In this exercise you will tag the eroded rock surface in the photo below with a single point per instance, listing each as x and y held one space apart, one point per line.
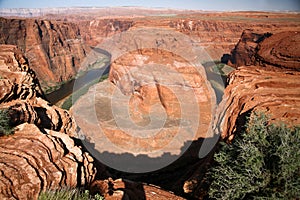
267 49
155 103
268 81
54 48
32 161
40 155
17 80
124 189
253 88
22 95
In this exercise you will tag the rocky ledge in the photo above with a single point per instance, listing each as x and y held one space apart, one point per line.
43 152
40 154
32 161
266 49
266 79
258 89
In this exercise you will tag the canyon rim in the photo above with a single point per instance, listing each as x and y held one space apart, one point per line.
131 102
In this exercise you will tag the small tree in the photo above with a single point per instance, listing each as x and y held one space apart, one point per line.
5 127
261 163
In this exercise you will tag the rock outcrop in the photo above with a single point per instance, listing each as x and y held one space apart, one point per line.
258 89
271 86
22 95
17 80
95 31
54 48
40 154
56 45
266 49
124 189
155 106
157 100
32 161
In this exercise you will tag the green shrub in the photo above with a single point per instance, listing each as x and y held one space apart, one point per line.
261 163
5 127
68 194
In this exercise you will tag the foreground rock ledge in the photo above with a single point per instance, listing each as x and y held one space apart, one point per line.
41 154
32 161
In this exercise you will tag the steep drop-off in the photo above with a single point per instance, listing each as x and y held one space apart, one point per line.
156 107
266 49
56 45
54 48
40 154
253 88
271 86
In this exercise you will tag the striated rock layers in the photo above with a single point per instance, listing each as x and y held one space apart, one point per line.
124 189
40 154
54 48
21 93
156 107
253 88
272 86
280 50
56 45
32 161
156 101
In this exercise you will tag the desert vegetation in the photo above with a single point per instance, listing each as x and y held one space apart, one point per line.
261 163
68 194
5 126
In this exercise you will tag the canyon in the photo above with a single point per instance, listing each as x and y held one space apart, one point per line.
56 45
160 107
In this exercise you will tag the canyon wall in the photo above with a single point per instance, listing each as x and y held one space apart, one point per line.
269 82
267 49
56 45
41 153
54 49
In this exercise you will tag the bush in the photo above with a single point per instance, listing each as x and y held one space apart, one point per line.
68 194
261 163
5 127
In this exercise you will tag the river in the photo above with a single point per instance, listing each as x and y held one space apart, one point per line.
217 81
75 84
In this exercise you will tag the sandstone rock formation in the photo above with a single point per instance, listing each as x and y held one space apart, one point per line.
56 45
154 101
17 80
54 48
124 189
21 93
253 88
157 100
40 155
32 161
95 31
217 33
266 49
156 104
271 86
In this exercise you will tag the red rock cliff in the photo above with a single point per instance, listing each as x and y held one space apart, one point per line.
271 86
265 49
54 49
40 154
